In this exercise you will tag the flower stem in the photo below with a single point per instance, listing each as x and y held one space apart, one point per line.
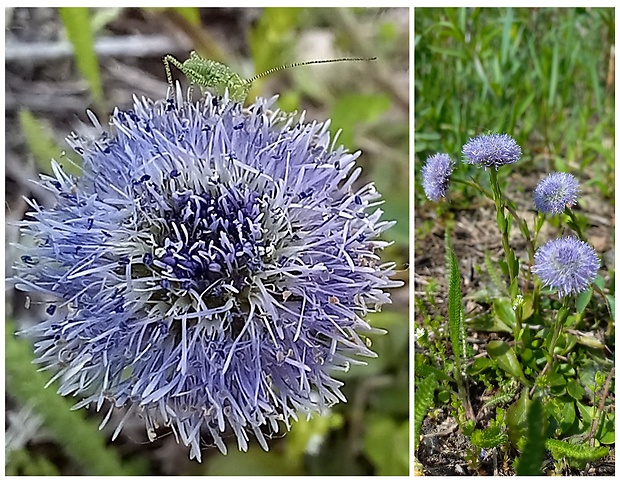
539 220
574 225
474 184
504 226
557 328
524 230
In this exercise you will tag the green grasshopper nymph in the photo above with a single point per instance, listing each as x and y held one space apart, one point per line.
211 74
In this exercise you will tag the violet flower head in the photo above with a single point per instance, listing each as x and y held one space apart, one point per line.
492 150
209 270
436 176
567 264
555 192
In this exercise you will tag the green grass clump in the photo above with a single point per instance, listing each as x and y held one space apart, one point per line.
542 75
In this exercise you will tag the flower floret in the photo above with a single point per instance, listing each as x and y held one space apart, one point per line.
436 176
491 150
555 192
567 263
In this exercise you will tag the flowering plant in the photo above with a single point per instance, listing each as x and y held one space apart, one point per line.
544 332
209 269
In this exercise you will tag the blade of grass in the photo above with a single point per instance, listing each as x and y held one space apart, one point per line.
43 146
553 80
191 14
77 23
506 35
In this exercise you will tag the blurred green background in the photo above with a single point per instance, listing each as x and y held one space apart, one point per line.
59 62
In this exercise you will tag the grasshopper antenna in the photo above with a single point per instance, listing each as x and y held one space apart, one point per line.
312 62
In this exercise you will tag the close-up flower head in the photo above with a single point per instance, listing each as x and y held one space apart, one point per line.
567 263
436 175
492 150
555 192
208 271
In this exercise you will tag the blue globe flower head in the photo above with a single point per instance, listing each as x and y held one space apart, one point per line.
555 192
209 270
436 176
567 263
491 150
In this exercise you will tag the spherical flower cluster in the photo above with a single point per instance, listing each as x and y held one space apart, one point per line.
493 150
555 192
208 271
567 264
436 175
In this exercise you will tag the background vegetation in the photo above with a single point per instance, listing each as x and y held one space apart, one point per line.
545 76
59 63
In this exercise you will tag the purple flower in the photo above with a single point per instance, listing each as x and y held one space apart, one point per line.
493 150
555 192
210 269
436 175
567 264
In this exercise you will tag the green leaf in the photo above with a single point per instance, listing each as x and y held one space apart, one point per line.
501 398
501 220
516 418
505 358
583 299
489 323
514 285
77 23
528 306
586 413
423 371
444 396
561 449
606 431
455 308
423 400
479 365
489 437
531 460
502 307
567 418
575 390
612 306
